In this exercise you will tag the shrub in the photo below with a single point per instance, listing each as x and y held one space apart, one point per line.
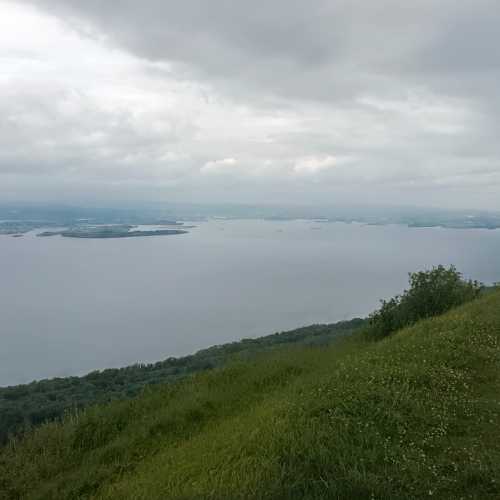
431 293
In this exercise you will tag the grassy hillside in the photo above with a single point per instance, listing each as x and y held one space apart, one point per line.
415 415
31 404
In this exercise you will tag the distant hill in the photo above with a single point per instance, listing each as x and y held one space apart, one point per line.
414 415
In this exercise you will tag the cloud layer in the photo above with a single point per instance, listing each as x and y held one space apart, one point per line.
280 101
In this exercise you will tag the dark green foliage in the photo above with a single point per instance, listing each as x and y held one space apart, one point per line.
431 293
27 405
415 416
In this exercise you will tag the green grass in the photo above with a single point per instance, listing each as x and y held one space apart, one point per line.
416 415
28 405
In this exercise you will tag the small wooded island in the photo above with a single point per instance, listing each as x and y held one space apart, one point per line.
117 231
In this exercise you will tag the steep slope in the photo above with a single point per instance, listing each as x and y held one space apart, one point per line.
37 402
415 415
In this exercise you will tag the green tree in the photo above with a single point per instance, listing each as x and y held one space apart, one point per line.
431 293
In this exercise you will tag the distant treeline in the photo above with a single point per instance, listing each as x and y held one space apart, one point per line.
24 406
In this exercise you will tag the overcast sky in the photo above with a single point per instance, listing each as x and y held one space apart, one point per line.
282 101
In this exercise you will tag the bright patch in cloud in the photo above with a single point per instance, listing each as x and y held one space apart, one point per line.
219 166
317 164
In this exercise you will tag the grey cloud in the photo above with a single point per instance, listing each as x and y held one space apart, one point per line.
317 49
408 89
51 130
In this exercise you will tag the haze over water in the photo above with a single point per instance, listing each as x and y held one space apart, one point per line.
68 306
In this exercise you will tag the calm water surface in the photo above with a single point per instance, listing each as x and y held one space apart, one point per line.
68 306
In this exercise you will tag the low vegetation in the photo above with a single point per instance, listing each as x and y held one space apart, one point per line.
431 293
28 405
414 415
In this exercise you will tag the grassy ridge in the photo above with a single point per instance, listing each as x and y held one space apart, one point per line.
413 416
31 404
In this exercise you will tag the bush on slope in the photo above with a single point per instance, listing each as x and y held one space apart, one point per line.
431 293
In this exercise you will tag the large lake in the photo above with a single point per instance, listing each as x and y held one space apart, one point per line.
68 306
